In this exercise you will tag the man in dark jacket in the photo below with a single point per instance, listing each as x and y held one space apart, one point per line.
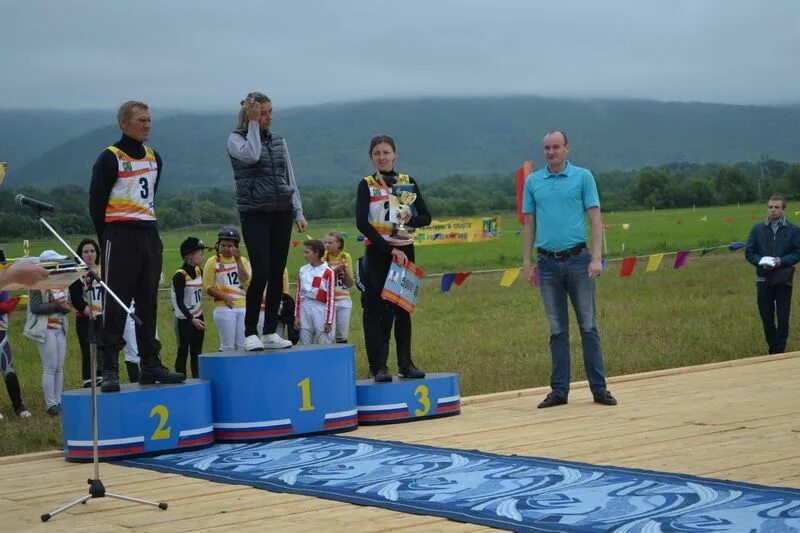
122 205
774 248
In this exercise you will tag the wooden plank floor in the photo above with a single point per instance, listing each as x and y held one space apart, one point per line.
736 420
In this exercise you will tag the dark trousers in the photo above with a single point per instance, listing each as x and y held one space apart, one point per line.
774 301
131 268
190 343
267 237
14 391
10 377
82 331
379 315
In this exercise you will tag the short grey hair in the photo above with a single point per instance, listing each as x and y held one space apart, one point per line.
254 96
126 109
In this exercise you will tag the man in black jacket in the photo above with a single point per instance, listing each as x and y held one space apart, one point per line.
122 205
774 248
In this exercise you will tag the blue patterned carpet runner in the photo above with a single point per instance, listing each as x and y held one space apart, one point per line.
507 492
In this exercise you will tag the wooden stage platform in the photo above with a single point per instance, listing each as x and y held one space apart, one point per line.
736 420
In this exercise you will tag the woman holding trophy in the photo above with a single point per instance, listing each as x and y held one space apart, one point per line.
386 203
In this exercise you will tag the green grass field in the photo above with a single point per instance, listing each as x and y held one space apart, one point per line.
496 338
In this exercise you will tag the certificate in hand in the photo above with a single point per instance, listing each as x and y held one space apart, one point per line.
767 261
403 285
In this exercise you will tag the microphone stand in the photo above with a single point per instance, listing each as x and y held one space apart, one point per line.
96 487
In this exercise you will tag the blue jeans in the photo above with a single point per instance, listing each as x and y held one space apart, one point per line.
562 277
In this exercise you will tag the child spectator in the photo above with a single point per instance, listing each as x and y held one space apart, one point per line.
80 292
225 275
187 292
342 265
314 303
7 305
47 326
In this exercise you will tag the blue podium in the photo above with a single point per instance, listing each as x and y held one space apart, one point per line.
404 400
138 419
279 393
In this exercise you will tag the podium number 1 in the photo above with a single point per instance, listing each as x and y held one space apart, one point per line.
305 391
162 413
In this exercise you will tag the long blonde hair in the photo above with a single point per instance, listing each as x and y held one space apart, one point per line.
254 96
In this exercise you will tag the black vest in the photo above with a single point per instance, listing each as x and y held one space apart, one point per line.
264 185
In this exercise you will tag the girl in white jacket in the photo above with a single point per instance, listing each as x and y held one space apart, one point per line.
47 326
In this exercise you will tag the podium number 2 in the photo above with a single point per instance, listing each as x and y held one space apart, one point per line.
423 399
305 391
162 413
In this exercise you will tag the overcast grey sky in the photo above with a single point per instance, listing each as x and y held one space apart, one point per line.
207 54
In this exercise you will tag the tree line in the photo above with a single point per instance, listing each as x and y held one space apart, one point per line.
694 184
666 186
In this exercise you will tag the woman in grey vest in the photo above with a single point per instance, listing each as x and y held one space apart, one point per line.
268 202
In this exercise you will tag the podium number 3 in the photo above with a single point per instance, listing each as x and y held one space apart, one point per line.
423 400
161 431
305 391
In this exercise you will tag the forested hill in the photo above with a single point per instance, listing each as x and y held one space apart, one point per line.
436 138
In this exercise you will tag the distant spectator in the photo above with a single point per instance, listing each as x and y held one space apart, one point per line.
342 265
225 277
314 303
187 302
80 293
774 248
47 325
7 305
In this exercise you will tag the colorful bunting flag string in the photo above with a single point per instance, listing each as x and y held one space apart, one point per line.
510 275
627 267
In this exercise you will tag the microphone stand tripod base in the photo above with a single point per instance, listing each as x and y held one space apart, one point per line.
98 490
96 487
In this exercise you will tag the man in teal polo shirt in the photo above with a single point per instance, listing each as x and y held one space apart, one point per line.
555 202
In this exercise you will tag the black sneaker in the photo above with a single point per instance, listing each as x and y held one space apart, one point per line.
110 381
383 376
411 372
552 399
159 374
605 398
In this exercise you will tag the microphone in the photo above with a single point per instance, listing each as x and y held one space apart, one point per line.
37 205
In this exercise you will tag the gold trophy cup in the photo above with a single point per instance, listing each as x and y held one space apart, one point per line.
404 201
3 167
